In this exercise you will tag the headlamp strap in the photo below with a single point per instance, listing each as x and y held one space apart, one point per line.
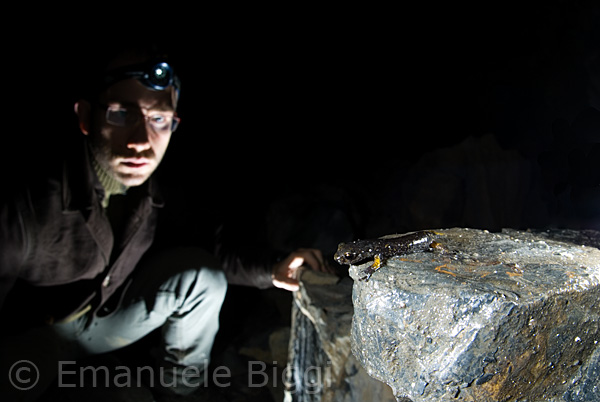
154 75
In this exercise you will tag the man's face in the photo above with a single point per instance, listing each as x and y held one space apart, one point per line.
130 130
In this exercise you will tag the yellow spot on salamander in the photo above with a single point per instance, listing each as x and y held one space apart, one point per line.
376 263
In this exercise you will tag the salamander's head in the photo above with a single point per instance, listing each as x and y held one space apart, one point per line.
347 254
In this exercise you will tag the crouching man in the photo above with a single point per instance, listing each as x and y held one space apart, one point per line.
77 276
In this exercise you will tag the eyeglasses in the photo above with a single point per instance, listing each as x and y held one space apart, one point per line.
160 122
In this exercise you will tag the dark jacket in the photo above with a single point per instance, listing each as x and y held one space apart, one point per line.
58 252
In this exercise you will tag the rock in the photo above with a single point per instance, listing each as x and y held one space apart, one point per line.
512 316
321 367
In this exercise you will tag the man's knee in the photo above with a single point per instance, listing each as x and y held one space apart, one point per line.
211 282
203 280
189 275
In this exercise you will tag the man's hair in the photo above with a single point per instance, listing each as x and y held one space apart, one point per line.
93 66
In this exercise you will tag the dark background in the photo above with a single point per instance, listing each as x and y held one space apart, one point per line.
288 101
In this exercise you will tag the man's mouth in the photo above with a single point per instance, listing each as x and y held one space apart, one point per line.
135 163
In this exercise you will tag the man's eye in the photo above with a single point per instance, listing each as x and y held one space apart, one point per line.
159 119
118 117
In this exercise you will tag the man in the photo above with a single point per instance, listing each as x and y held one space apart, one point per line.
78 271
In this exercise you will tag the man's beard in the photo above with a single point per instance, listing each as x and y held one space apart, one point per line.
102 152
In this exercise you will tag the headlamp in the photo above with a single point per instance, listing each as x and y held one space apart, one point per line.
154 75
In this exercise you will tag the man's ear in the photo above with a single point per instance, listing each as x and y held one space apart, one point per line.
83 110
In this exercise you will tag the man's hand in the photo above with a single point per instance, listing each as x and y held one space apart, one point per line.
285 272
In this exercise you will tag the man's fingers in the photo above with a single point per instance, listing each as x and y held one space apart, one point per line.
287 284
311 257
297 262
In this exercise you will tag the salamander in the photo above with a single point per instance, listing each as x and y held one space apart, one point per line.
381 249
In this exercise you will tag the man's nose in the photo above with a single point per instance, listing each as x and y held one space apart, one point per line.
139 140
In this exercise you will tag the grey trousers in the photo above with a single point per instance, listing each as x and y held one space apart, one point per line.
180 291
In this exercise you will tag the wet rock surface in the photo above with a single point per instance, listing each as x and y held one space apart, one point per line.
511 316
321 367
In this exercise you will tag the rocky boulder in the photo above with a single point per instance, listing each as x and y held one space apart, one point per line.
479 316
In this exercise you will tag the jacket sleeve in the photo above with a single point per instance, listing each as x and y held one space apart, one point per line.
13 241
244 262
